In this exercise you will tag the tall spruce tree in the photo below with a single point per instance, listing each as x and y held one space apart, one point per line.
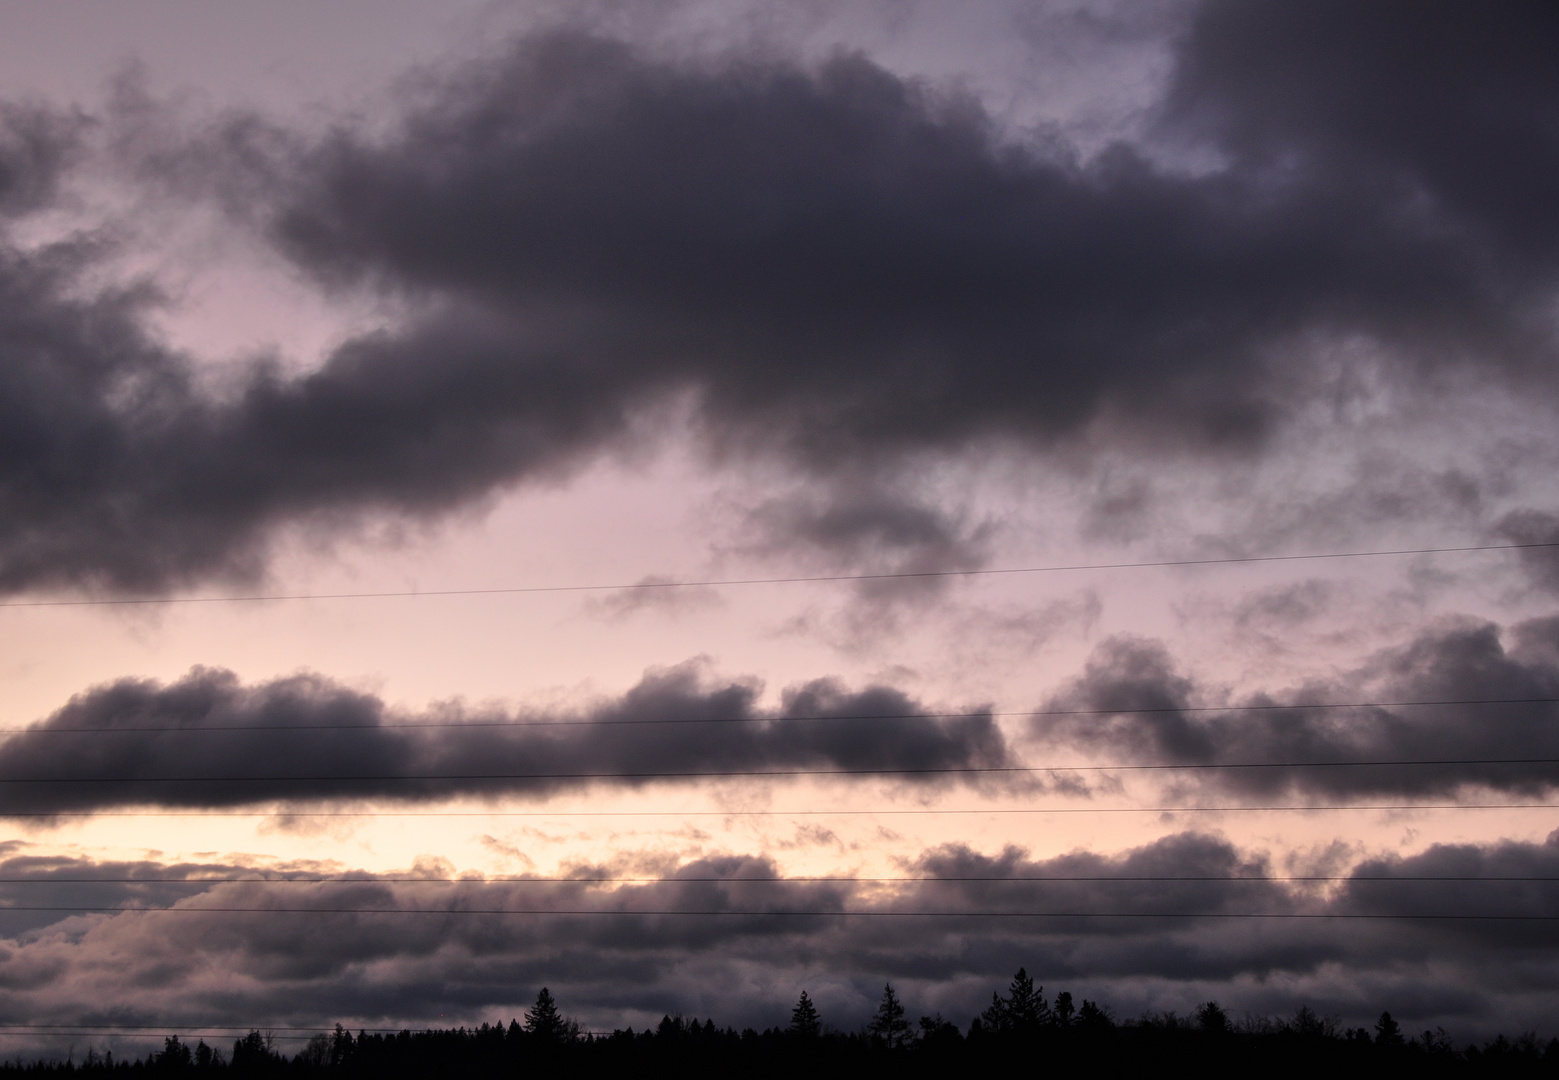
889 1023
1387 1031
1022 1012
804 1020
543 1020
1027 1008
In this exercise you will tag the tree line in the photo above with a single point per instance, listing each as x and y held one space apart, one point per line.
1017 1029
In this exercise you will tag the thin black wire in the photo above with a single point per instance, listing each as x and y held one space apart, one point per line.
208 1031
197 1031
953 770
932 811
842 879
614 722
193 1029
91 909
720 582
161 1029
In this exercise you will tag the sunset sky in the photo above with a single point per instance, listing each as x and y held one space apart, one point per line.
1100 456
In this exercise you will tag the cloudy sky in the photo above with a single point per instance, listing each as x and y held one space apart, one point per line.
689 502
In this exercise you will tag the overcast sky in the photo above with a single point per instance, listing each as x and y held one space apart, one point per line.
436 313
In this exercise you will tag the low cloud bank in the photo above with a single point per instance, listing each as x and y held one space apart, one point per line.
208 740
377 965
1143 709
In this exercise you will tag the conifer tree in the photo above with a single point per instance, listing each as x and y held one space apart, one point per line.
889 1023
1023 1011
1387 1031
1064 1009
543 1020
804 1020
995 1019
1211 1017
1027 1008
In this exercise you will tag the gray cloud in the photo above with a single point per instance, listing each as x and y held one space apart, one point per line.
851 524
37 146
379 965
100 734
834 264
1416 109
1167 718
1284 608
1534 527
953 287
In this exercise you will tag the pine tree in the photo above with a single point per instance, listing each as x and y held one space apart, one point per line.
804 1020
889 1023
1211 1017
1387 1031
1027 1009
542 1019
995 1019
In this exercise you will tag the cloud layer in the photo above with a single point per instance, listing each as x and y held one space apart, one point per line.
1305 296
208 740
1471 742
832 263
1488 721
1186 892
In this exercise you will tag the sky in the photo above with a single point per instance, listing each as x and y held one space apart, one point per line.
686 503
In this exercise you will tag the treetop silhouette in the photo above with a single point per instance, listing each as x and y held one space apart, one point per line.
1024 1011
889 1023
804 1020
544 1022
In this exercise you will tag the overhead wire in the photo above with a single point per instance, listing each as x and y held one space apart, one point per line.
788 879
695 774
885 811
97 909
645 585
763 913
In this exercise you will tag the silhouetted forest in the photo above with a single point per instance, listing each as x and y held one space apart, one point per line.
1022 1029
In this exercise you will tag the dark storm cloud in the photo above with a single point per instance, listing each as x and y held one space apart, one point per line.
1285 608
840 260
1534 527
1447 110
835 265
36 147
100 735
118 469
846 524
852 525
1463 872
1167 718
379 964
30 882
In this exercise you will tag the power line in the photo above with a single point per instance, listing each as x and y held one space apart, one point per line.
922 811
654 721
90 909
800 879
156 1032
212 1030
722 582
197 1031
950 770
